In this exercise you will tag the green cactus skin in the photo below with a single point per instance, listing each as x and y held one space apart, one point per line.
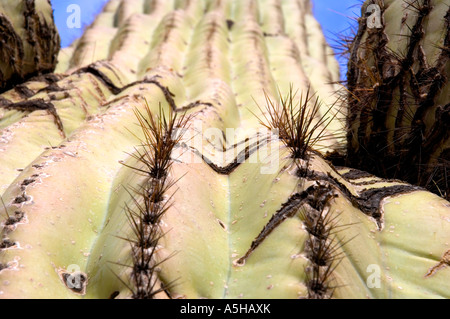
227 227
399 94
30 41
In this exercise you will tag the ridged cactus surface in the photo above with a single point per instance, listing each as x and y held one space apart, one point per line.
148 166
30 41
399 93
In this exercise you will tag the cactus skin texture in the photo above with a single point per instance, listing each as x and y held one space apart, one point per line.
30 41
101 199
399 87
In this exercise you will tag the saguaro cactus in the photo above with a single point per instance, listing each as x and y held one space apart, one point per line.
185 158
399 93
30 41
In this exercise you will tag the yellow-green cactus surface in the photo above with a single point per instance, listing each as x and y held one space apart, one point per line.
29 41
149 166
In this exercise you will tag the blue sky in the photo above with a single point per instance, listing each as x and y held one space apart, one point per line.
333 15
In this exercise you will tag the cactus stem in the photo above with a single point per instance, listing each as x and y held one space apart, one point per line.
392 92
299 124
241 157
160 140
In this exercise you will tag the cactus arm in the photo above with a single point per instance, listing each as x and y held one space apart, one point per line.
399 92
31 41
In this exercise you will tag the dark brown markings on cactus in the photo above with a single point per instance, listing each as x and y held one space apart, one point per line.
111 68
38 105
21 199
369 200
3 267
12 50
13 220
170 25
240 158
209 52
427 82
407 151
272 35
194 105
54 87
38 166
23 91
93 69
48 78
288 210
222 224
28 181
443 263
114 295
230 24
298 121
4 102
39 34
356 174
169 96
6 244
216 147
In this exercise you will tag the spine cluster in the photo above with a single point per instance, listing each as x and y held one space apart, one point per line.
152 201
